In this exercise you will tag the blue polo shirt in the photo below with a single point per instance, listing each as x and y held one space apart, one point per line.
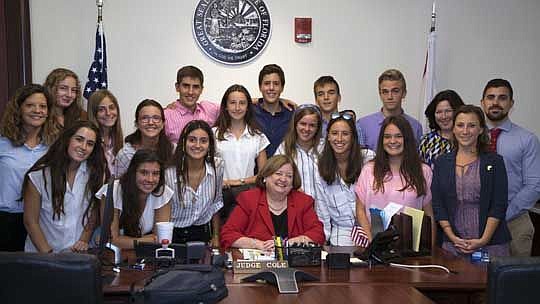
14 162
274 126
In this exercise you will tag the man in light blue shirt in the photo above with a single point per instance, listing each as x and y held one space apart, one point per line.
520 149
392 91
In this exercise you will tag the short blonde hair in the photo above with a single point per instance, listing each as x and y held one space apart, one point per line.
272 165
393 75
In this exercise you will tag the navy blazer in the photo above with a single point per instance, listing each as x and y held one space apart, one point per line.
493 193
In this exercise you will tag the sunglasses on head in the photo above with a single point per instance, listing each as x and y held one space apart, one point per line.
345 114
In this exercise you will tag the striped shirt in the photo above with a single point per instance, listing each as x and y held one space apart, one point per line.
176 119
197 206
335 204
306 162
123 158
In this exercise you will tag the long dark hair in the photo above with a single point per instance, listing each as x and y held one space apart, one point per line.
328 168
291 137
164 147
483 139
57 161
223 122
131 208
411 166
180 161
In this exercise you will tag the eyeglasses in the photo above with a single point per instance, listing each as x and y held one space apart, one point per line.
308 106
155 119
345 114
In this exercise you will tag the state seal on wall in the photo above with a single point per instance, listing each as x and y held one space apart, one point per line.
232 31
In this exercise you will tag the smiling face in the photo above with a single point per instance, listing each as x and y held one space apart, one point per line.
340 138
497 103
281 181
306 129
34 111
391 93
393 142
197 144
107 113
444 115
327 98
81 144
271 88
150 121
467 129
147 177
237 105
189 90
66 92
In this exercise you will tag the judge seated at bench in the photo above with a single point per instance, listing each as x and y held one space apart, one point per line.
274 208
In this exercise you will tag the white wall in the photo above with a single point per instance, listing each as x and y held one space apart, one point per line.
353 40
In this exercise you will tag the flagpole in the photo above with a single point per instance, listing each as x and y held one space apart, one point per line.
99 4
429 75
433 17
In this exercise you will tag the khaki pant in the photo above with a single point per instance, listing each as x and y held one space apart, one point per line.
522 231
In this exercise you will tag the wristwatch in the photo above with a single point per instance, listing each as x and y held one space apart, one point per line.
242 181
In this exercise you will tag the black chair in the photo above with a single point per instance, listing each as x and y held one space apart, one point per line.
50 278
513 280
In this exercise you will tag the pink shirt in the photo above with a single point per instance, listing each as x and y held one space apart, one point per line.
176 119
371 199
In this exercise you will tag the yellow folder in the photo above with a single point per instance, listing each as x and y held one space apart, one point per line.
417 216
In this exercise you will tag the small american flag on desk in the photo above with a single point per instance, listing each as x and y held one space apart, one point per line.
97 74
359 236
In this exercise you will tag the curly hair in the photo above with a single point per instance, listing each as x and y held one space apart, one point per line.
57 160
73 112
11 126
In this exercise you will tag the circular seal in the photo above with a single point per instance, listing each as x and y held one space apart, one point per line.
232 31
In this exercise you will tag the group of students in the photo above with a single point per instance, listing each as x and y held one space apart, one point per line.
245 171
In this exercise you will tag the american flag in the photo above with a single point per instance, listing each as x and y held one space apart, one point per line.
359 236
97 74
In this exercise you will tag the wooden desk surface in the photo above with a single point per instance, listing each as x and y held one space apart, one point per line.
379 282
467 276
313 294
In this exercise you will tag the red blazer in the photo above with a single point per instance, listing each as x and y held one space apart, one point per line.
251 218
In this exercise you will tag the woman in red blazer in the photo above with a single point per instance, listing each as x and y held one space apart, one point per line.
273 208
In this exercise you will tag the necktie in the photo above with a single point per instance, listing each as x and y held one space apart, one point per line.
494 134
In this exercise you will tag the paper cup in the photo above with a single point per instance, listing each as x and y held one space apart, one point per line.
164 231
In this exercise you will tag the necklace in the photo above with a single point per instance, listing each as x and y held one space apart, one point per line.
277 210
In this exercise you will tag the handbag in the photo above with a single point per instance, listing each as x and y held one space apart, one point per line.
194 283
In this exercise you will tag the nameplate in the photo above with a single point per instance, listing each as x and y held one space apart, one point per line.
256 266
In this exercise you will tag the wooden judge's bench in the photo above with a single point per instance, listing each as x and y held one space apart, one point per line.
375 284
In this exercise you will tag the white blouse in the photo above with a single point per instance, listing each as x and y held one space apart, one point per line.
153 202
63 231
239 154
